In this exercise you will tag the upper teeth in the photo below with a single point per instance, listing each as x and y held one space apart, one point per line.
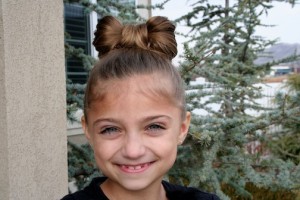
135 167
138 167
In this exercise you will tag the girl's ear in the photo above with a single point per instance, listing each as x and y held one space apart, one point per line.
85 129
184 128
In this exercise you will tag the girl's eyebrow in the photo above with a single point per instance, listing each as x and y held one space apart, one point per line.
104 119
148 118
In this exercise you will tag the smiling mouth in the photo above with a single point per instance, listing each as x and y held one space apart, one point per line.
135 168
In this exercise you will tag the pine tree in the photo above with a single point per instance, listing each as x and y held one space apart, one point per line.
222 49
285 143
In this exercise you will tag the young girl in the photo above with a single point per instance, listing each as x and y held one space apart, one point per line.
134 113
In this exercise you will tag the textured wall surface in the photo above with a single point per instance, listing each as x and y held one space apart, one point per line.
33 148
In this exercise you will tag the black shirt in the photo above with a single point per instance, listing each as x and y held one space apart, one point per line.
174 192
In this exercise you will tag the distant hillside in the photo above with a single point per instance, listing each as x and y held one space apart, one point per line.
279 51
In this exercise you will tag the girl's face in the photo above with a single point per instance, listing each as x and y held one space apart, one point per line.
134 132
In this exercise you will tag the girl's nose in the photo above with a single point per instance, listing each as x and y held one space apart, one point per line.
133 146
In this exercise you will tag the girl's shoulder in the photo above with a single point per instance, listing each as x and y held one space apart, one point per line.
177 192
174 192
91 192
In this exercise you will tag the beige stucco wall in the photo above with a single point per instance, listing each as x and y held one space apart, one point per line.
33 148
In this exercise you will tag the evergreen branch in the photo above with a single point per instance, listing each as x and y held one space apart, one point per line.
83 172
219 164
196 62
286 153
192 66
273 120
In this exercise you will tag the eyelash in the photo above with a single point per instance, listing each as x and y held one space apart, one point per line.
109 131
155 127
151 128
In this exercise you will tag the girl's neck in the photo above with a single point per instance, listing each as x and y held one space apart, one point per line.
116 192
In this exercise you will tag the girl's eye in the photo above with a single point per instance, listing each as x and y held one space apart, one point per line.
109 130
155 128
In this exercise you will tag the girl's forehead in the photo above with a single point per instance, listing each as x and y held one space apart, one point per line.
153 86
137 83
143 78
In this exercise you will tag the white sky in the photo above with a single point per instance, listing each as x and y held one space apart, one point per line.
285 18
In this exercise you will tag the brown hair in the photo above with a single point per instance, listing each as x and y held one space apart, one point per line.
127 50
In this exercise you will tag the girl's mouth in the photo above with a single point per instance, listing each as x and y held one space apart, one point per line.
135 168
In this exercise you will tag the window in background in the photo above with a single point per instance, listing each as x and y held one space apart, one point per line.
77 26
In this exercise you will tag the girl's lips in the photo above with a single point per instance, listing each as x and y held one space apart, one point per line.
135 168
